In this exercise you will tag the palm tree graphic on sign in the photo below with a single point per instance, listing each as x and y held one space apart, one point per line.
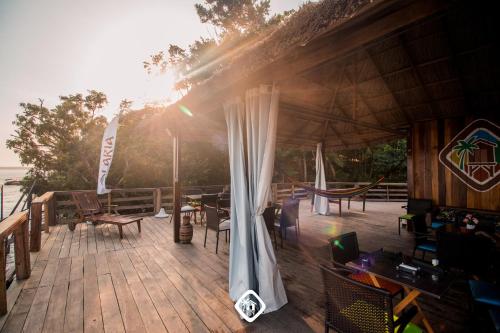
464 148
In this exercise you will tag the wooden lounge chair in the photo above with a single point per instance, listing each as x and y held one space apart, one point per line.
90 209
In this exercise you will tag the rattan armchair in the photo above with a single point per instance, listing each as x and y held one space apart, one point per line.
352 306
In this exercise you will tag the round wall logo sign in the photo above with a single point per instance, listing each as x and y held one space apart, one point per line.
473 155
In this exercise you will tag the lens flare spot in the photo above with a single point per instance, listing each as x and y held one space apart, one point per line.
185 110
330 230
338 244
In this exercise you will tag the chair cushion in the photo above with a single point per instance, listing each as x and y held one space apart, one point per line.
365 278
407 216
225 225
485 292
361 306
187 208
436 224
429 247
410 327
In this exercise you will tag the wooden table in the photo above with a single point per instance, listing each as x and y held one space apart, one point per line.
120 221
430 281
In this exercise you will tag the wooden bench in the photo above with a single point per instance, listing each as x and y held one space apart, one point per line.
18 225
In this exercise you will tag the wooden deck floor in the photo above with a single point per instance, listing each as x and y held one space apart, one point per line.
90 280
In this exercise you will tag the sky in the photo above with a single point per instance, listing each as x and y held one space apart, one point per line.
57 47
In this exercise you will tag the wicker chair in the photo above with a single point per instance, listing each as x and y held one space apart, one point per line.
215 223
345 248
206 200
352 306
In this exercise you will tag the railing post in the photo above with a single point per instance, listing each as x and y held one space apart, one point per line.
3 286
22 253
387 193
51 208
36 227
157 200
109 202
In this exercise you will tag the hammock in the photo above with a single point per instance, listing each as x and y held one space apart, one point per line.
339 193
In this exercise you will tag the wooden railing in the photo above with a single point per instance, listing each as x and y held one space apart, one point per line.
43 215
148 201
16 224
382 192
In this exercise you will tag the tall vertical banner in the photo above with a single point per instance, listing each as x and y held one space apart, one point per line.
107 151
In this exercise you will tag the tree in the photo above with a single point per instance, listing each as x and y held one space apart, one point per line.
95 100
234 22
232 17
61 145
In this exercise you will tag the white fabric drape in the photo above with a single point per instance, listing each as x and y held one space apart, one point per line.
241 265
262 106
321 205
252 263
107 151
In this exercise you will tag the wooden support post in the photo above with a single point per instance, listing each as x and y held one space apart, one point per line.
110 199
157 200
46 217
177 187
16 224
51 208
3 287
22 253
36 227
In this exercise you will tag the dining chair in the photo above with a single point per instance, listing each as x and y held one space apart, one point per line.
352 306
206 200
215 223
345 248
289 217
423 241
414 208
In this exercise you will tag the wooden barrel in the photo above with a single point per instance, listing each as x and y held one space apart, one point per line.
186 230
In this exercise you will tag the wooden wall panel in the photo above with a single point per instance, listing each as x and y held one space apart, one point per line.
428 178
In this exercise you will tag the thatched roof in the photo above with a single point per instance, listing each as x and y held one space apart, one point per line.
353 73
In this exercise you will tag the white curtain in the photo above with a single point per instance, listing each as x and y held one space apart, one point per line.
241 264
252 263
321 205
262 106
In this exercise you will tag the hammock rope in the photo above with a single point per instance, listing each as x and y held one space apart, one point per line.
334 193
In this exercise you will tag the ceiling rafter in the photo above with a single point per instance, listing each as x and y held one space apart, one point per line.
405 114
315 113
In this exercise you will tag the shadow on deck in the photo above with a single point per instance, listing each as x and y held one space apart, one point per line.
90 280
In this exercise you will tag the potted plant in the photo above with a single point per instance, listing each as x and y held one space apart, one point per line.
470 221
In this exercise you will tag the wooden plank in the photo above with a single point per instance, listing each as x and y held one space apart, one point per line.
197 303
36 315
54 320
19 312
111 315
130 313
147 310
183 308
168 314
73 320
92 317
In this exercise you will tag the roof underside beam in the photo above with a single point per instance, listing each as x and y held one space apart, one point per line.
309 112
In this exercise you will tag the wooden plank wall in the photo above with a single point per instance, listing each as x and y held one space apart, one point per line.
428 178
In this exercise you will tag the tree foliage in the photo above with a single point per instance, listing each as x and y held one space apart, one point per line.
61 145
233 20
